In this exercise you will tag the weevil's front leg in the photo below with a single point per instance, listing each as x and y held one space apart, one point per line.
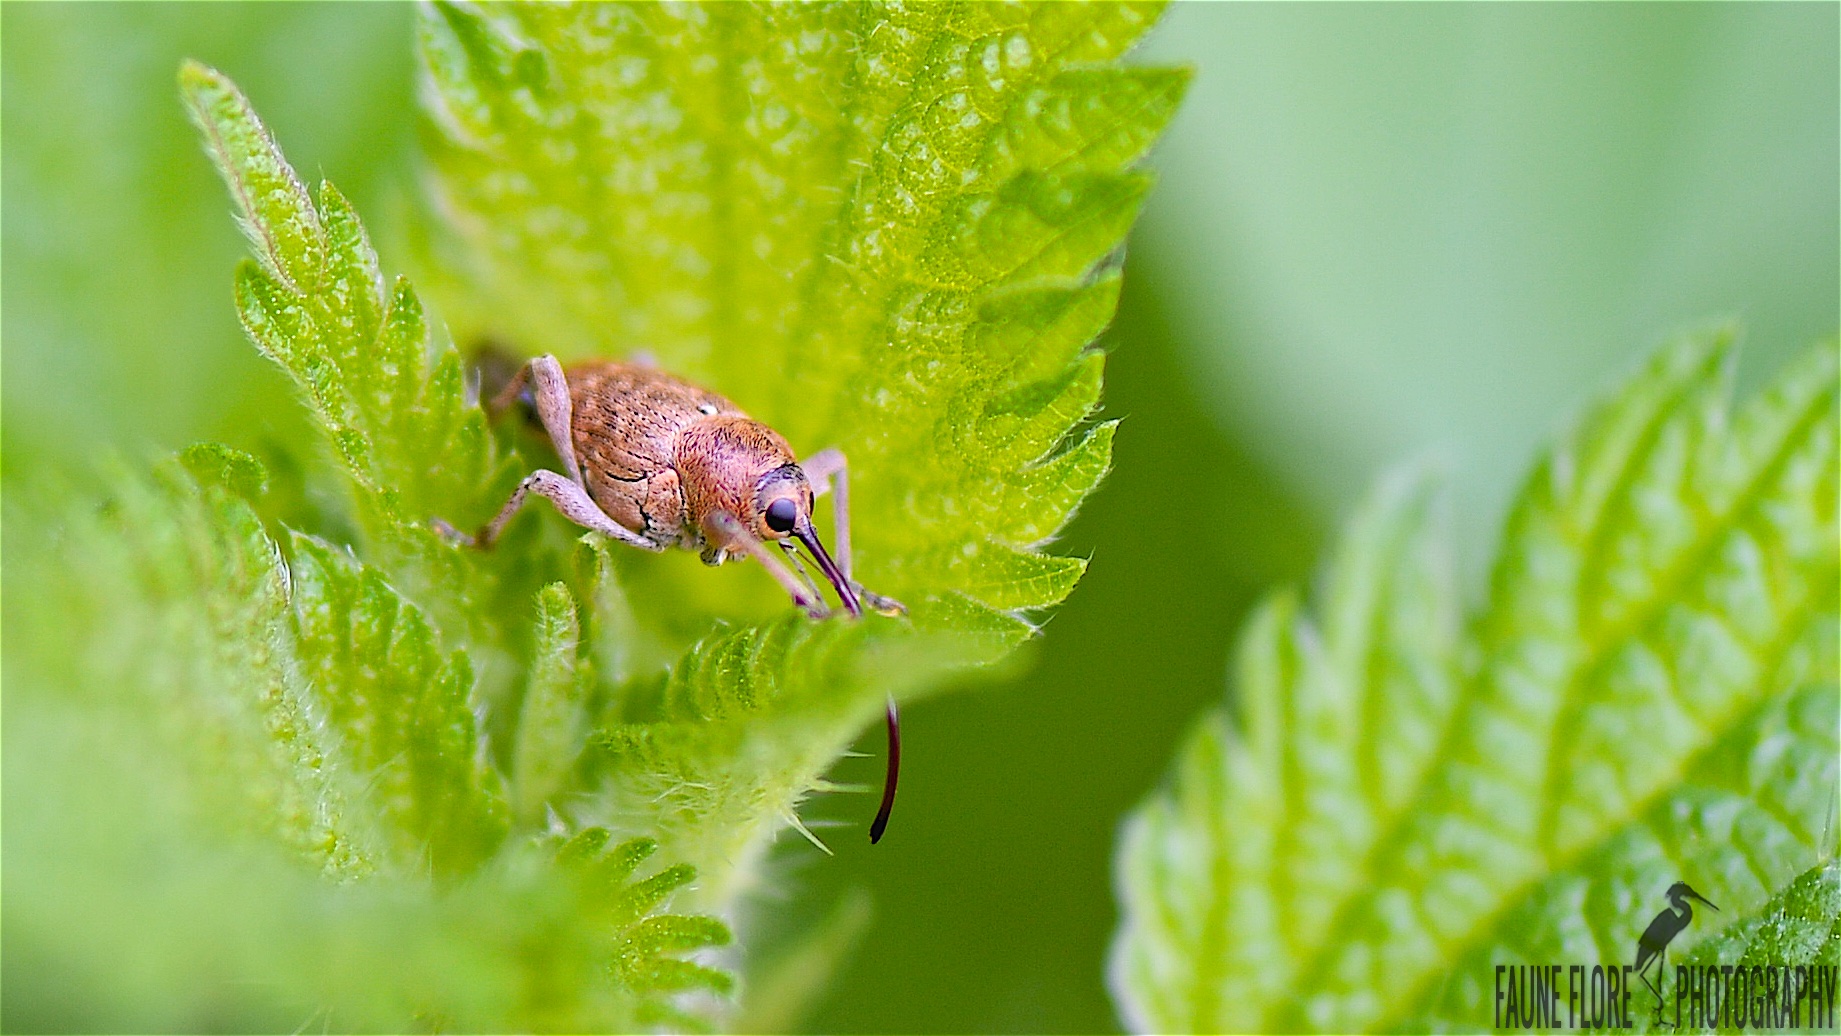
792 555
574 504
828 469
736 537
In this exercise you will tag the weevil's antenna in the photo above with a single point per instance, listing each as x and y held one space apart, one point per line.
881 823
810 583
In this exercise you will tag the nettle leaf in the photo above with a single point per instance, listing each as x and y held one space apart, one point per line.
1394 808
892 230
392 404
217 682
552 722
747 724
402 709
876 227
1800 926
297 697
889 229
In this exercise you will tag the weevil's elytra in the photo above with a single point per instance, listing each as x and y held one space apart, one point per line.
657 462
627 423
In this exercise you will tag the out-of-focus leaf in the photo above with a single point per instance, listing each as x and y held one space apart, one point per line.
301 704
1649 697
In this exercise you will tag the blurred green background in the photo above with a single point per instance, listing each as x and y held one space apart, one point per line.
1381 231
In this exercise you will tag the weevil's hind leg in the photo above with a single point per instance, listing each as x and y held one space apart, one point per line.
553 409
508 393
735 536
829 470
571 500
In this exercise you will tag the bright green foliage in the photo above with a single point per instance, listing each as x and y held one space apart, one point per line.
747 724
401 710
301 700
551 723
217 683
881 228
644 949
1800 926
875 227
315 302
395 411
1650 695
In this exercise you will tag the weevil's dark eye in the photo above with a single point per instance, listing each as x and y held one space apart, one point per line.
781 514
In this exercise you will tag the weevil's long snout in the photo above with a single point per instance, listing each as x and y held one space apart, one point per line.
845 592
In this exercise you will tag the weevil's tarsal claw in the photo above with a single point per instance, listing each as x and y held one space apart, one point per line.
447 532
879 604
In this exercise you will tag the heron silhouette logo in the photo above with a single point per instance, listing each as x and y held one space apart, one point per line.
1652 945
1748 994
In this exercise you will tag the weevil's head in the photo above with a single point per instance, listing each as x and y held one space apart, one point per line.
782 503
738 466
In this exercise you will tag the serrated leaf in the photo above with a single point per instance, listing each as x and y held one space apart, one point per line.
1798 927
890 229
402 708
390 400
1652 698
884 228
746 726
810 208
301 703
551 722
217 682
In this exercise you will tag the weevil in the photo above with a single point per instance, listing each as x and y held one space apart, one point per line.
656 462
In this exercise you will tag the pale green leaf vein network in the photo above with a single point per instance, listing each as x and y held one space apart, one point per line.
1662 618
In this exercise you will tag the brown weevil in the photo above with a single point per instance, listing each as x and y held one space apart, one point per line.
654 461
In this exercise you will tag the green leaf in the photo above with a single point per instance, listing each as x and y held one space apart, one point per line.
746 726
215 685
1799 926
551 724
299 703
1650 696
391 402
401 707
877 227
888 229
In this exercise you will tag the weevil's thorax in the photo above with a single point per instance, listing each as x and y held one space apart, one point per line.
726 462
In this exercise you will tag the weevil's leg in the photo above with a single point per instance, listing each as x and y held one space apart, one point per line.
828 469
792 554
553 409
507 395
738 537
572 501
